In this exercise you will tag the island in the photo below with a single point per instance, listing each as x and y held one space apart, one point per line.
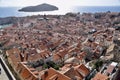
39 8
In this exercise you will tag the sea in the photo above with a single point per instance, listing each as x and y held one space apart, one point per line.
13 11
95 9
5 26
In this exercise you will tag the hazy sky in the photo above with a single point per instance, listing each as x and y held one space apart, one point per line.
61 3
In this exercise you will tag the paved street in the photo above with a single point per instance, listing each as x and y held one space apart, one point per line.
3 75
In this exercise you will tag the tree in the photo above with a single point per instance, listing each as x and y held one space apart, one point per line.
51 64
37 63
98 64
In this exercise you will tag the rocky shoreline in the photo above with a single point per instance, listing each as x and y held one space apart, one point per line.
8 20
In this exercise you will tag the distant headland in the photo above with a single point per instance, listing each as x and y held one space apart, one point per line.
39 8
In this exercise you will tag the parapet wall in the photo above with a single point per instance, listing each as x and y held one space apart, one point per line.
6 69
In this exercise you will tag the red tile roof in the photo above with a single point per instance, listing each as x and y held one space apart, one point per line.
14 56
82 69
100 76
52 74
27 73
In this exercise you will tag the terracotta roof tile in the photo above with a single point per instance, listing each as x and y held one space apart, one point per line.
26 73
14 55
52 74
100 76
56 57
84 71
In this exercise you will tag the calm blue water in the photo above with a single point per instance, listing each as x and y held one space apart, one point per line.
13 11
4 26
93 9
9 11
